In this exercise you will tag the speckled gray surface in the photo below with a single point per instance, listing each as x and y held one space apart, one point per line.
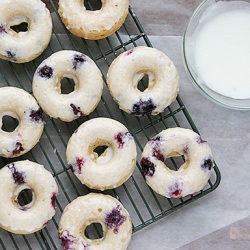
164 17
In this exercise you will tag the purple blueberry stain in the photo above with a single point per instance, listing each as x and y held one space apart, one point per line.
2 29
157 154
53 200
156 151
18 176
199 140
129 52
115 219
157 138
85 246
67 240
76 110
37 115
143 107
148 167
45 72
121 138
77 165
18 148
185 149
78 60
11 55
176 193
207 164
175 190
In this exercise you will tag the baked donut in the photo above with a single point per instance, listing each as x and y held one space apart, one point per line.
93 25
116 161
87 90
95 208
26 175
128 69
24 46
191 177
19 104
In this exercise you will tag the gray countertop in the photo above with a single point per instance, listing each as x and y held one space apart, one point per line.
221 219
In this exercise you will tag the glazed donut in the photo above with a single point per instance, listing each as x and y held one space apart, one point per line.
112 167
93 25
87 90
19 104
95 208
20 47
26 175
191 177
129 68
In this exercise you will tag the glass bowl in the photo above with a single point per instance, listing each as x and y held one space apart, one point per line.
205 12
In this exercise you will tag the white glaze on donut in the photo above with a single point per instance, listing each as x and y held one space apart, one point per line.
22 47
191 177
96 24
18 176
129 68
19 104
87 90
95 208
114 166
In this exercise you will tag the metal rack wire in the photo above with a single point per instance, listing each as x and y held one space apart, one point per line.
144 206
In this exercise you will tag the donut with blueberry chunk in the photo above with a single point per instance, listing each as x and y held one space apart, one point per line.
49 92
98 208
128 70
192 175
22 106
32 216
33 39
102 153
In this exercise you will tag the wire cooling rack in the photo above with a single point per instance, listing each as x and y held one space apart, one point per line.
144 205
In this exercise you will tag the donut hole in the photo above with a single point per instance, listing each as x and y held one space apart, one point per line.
94 231
93 5
67 85
24 199
18 23
22 27
175 162
100 151
9 123
144 81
